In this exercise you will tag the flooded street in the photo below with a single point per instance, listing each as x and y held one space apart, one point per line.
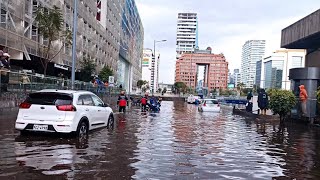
178 143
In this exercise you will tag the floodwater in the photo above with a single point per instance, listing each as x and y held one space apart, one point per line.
178 143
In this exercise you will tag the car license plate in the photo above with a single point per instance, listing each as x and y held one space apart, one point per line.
40 127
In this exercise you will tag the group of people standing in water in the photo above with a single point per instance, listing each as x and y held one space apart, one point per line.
147 103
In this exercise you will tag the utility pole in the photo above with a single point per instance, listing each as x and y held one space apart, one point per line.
153 62
74 42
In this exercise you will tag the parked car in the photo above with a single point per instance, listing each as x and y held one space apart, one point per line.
209 105
192 99
63 111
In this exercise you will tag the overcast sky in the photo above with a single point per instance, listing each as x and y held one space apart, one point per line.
223 25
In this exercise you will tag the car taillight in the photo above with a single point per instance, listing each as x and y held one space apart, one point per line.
218 105
66 108
24 105
204 104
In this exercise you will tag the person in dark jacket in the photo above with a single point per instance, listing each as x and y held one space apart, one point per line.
5 69
263 101
249 96
122 102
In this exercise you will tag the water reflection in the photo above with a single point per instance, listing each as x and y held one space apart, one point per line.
178 143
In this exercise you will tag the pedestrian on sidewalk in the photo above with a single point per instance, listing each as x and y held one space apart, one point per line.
122 102
5 70
263 101
303 98
25 81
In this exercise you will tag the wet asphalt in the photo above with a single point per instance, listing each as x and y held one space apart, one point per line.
177 143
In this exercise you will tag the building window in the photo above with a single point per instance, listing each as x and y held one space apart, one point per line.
3 18
296 61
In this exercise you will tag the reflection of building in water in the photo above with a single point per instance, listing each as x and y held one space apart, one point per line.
297 147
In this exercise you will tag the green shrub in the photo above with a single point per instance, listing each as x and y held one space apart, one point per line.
281 102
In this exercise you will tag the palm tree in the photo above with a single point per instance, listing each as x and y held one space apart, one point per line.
240 86
140 83
50 25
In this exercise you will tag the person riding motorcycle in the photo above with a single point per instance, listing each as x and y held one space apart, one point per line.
154 104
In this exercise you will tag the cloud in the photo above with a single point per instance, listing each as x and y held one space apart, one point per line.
223 25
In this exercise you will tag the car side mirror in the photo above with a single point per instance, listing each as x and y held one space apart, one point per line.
105 105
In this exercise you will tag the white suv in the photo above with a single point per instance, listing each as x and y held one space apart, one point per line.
63 111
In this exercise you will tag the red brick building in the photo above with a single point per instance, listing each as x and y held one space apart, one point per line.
215 74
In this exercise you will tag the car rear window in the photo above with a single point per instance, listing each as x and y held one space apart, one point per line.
49 99
211 102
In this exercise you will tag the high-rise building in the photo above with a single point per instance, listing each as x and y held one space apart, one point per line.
275 68
150 69
258 73
187 33
252 51
131 45
237 77
230 77
101 27
216 70
19 36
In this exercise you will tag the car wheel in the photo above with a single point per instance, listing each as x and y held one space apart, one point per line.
82 130
110 121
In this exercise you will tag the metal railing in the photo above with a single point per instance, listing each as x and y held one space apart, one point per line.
23 82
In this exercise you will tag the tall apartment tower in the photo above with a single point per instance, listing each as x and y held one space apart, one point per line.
187 33
252 51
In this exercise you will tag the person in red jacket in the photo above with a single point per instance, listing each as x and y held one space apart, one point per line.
122 102
303 98
144 101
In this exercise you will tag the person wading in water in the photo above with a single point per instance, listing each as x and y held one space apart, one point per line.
122 102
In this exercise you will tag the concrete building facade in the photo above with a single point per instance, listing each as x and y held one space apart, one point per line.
252 51
275 68
100 35
150 69
237 77
187 33
131 45
258 73
304 34
216 70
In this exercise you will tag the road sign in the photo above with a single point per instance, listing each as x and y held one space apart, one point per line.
111 79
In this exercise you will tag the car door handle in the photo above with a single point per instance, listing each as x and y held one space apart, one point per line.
99 110
87 109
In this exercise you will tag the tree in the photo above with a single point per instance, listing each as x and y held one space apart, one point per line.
87 69
105 72
180 86
281 102
50 25
256 88
144 87
246 90
240 86
214 91
140 83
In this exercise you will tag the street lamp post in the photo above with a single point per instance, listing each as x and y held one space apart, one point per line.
154 60
74 40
